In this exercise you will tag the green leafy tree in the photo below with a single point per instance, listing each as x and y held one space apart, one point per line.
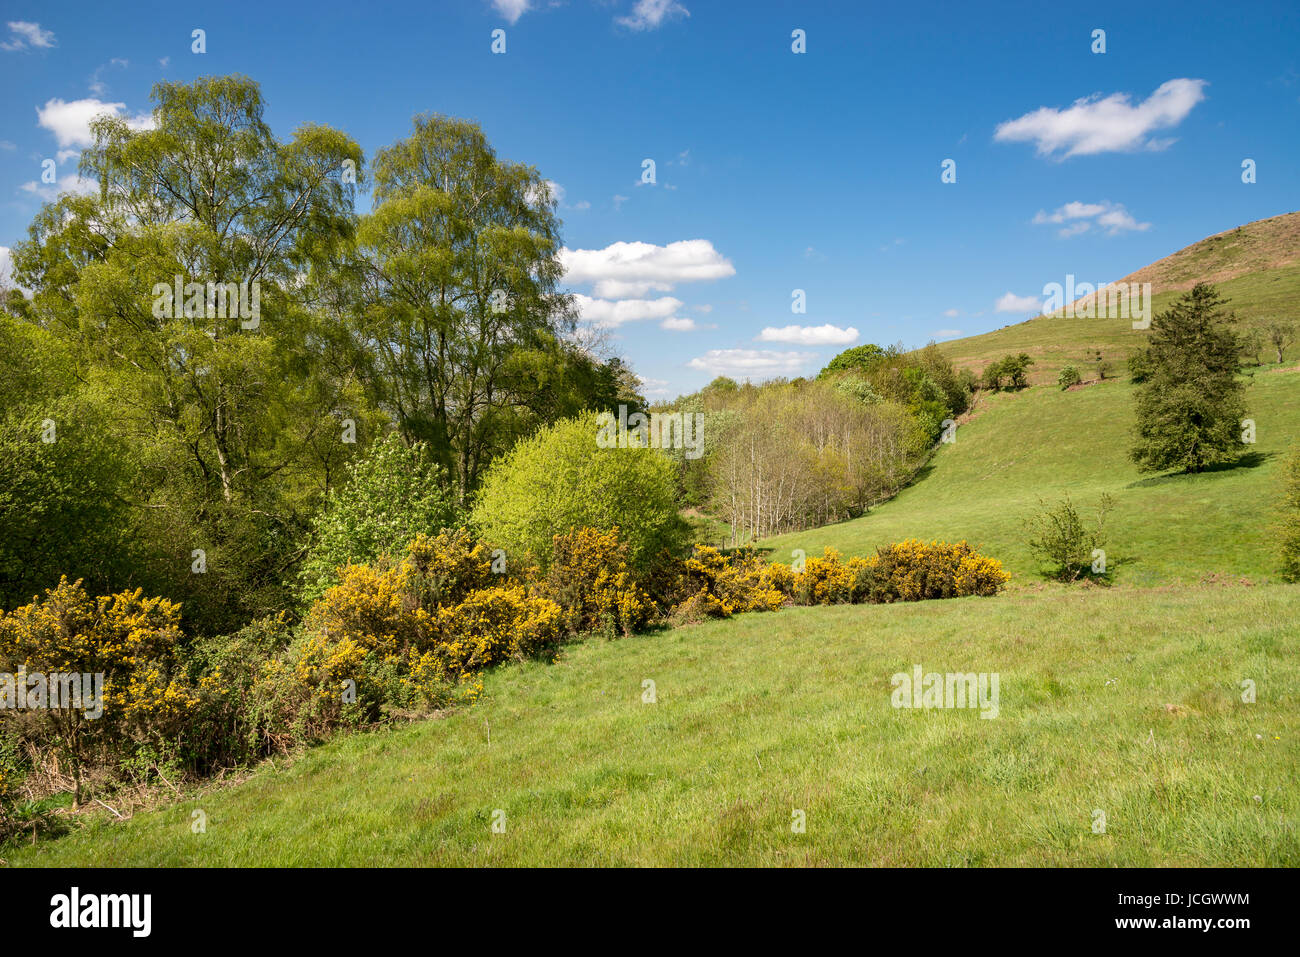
391 494
1190 407
1280 335
453 294
232 414
1060 536
559 479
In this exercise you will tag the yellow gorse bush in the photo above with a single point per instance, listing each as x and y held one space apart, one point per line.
590 580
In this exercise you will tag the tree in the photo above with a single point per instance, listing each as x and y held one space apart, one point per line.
229 394
391 495
1189 409
455 276
558 480
1059 536
1280 335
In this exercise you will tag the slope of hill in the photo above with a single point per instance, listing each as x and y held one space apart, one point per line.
1126 701
1042 442
1256 266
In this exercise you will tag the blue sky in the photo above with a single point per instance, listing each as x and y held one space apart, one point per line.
774 170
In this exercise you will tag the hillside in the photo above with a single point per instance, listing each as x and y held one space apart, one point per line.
1125 701
1042 442
1256 267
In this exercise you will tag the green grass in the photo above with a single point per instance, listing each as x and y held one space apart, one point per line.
1056 342
1122 700
1043 443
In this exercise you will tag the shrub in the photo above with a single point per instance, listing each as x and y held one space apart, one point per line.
393 493
1069 376
131 641
590 580
494 625
1290 540
559 480
913 570
1059 536
827 580
722 585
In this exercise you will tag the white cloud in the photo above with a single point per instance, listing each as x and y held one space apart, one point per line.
946 334
678 324
164 61
619 201
628 270
653 387
6 266
70 121
7 146
1013 303
604 312
750 363
1099 125
1080 217
22 33
581 204
649 14
950 313
826 335
512 10
67 183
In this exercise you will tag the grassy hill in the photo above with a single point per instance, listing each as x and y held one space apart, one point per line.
1043 442
1256 266
1126 701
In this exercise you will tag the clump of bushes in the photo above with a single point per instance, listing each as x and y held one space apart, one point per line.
1069 376
905 571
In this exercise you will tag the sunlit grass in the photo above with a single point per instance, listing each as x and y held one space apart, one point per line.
1125 701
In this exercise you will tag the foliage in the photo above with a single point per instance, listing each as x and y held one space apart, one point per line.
1189 409
128 639
720 585
913 570
392 494
1290 528
1059 536
558 480
789 456
1069 376
1013 370
590 579
1280 335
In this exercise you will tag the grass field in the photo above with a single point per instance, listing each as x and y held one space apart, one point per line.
1125 701
1043 443
1055 341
